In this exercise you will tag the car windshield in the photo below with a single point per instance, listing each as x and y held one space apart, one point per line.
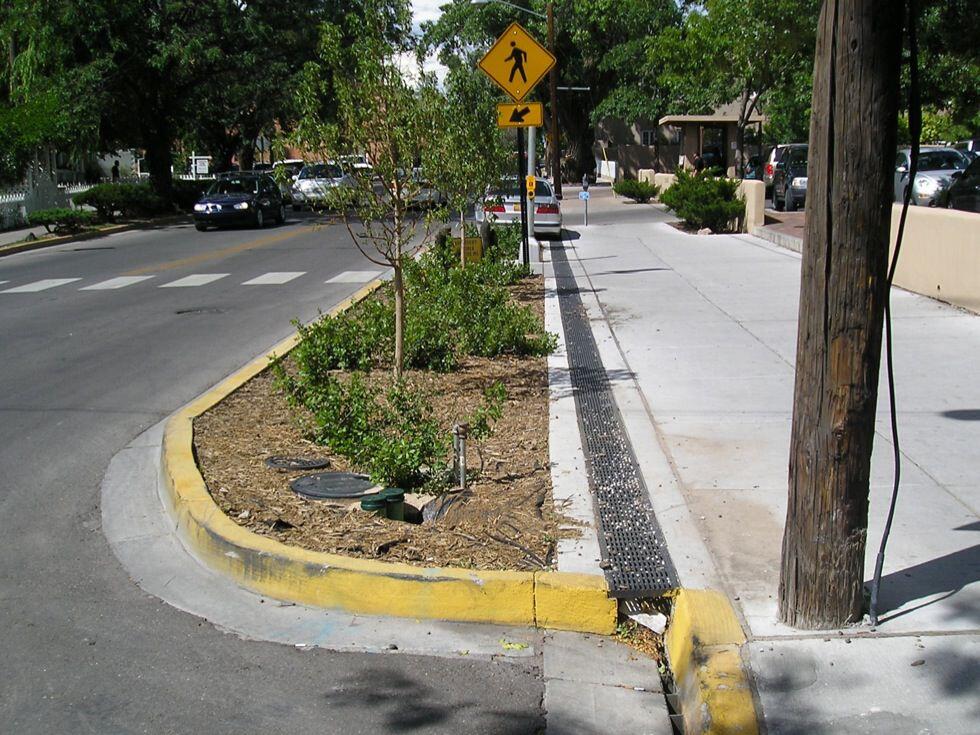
942 161
798 156
321 171
235 185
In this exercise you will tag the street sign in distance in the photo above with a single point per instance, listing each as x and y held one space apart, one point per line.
516 62
530 182
520 115
474 249
584 196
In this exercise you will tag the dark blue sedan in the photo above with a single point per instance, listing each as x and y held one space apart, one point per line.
250 199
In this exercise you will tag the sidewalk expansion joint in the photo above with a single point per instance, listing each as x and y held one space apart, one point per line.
635 557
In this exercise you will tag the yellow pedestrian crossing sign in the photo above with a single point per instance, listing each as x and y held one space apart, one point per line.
520 114
516 62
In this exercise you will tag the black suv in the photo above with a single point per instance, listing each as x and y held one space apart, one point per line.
964 192
789 179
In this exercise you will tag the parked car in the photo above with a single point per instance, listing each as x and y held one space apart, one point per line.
240 199
790 178
503 204
427 195
964 191
314 184
775 153
933 176
285 173
971 148
753 168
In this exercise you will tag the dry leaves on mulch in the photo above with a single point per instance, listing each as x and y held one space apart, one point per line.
508 522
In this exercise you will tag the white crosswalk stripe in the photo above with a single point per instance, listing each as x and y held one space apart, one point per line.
41 285
274 278
113 283
198 279
354 277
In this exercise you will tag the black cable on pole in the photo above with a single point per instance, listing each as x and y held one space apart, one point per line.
915 132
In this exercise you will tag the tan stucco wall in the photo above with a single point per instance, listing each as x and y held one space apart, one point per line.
940 254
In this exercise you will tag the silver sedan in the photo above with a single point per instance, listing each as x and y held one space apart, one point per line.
933 177
503 204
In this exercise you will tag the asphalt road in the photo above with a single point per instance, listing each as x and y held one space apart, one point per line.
152 319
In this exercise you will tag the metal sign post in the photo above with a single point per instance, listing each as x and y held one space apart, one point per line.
584 196
525 250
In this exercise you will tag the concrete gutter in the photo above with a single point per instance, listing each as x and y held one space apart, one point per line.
47 242
558 600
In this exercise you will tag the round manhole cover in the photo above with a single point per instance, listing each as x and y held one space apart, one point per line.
332 485
296 463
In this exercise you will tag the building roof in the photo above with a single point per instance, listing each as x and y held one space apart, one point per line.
723 114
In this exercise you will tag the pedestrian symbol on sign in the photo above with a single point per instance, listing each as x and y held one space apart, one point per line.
517 55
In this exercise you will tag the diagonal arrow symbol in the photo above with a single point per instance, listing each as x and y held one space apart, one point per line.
517 116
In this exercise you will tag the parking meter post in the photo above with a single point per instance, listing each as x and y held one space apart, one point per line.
586 212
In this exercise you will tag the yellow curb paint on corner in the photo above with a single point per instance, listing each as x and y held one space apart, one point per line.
579 602
550 599
703 643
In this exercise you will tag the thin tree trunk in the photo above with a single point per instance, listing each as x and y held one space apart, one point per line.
842 295
399 284
462 238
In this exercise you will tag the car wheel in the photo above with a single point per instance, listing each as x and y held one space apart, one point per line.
281 217
200 227
790 201
259 218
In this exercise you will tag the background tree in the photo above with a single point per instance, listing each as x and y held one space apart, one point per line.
735 51
380 111
601 44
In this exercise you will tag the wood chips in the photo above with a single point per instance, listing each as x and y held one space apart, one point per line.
508 522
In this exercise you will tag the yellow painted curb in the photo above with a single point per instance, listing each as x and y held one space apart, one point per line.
703 643
548 599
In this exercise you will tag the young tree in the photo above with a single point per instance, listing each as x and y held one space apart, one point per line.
380 111
842 298
468 156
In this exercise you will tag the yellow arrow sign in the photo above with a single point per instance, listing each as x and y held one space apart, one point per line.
516 62
520 114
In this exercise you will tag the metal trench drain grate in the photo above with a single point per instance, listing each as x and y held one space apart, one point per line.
635 557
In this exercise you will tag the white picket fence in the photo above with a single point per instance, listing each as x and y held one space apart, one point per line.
18 202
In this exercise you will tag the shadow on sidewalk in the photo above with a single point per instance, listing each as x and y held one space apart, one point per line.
944 576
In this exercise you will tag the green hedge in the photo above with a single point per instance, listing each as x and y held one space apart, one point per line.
187 192
129 200
62 220
639 191
702 200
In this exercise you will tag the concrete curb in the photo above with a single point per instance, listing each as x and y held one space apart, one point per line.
23 247
703 643
558 600
790 242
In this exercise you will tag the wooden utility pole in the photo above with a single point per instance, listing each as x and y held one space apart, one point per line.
842 297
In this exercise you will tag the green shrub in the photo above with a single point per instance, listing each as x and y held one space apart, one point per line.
392 435
705 201
130 200
187 192
638 191
62 220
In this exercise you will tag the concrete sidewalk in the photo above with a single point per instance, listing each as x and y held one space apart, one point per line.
698 336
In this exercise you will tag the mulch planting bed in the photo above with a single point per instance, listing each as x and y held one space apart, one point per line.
508 520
